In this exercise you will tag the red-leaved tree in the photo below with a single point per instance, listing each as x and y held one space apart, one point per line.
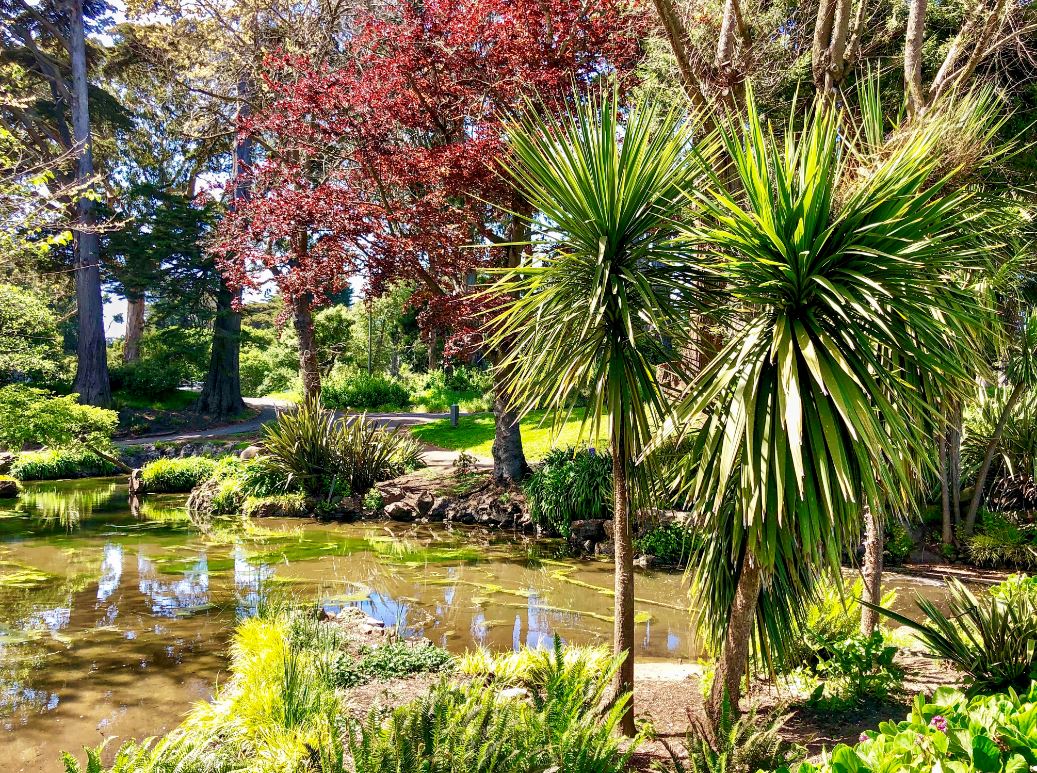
385 160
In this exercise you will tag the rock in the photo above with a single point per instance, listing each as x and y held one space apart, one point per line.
592 529
9 488
425 502
606 548
399 511
6 462
250 453
390 493
439 510
513 694
644 562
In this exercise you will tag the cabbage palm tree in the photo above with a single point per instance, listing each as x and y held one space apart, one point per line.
607 294
838 263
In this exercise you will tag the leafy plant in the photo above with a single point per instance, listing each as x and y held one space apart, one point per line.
176 475
993 638
572 484
855 670
360 391
390 661
56 464
35 417
744 745
671 543
898 544
1001 541
950 732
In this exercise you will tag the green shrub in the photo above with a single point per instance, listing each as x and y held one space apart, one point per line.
391 661
435 391
169 358
1001 542
898 544
746 745
60 464
359 391
327 456
856 670
671 543
176 476
472 729
265 371
31 416
992 638
571 484
991 734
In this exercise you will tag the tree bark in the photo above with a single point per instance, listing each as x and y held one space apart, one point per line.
947 535
677 36
509 460
91 382
623 634
134 329
874 545
988 455
734 655
913 40
221 394
302 318
954 461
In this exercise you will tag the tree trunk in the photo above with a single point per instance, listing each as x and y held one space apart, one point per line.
221 394
947 535
302 318
874 545
134 329
988 455
91 382
954 461
913 41
509 460
677 36
734 656
623 635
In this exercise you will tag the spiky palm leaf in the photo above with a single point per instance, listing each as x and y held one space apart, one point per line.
839 261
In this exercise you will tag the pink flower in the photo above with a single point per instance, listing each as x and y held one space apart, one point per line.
940 723
863 737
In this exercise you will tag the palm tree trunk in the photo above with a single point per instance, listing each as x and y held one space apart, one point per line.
913 41
988 455
954 461
726 691
874 545
91 382
134 329
302 318
623 636
947 535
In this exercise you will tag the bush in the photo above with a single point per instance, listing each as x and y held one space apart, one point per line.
233 482
854 671
170 357
392 661
992 639
571 484
58 464
264 372
992 734
435 391
1002 542
176 476
327 456
472 728
671 543
359 391
746 745
31 416
898 544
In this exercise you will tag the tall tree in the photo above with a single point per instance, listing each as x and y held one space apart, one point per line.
609 274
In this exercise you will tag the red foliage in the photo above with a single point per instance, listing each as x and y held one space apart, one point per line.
387 157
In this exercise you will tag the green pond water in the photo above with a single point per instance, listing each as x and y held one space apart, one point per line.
113 622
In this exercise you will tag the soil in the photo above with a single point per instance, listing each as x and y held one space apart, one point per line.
135 422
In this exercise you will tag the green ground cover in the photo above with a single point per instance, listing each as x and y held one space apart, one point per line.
474 434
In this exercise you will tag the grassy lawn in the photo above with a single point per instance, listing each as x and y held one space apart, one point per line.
475 434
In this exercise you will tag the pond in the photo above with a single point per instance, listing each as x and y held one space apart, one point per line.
112 624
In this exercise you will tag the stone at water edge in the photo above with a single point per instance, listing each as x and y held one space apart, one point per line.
425 503
9 488
399 511
7 460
